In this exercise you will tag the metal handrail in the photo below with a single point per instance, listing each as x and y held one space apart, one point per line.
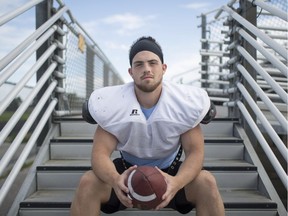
30 39
32 70
10 15
275 61
273 109
277 88
270 8
23 107
266 124
264 75
49 80
265 38
25 153
258 134
28 124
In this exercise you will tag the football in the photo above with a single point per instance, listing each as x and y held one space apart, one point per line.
146 187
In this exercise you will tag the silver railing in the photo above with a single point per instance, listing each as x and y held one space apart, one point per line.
57 87
245 62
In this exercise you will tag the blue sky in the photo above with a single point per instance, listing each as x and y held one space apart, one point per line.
115 24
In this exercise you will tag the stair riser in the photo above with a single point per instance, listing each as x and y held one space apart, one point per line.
70 180
83 151
77 129
82 129
218 128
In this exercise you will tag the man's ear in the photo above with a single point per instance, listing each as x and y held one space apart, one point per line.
164 68
130 71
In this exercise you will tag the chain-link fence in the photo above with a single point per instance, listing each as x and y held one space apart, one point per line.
85 67
216 36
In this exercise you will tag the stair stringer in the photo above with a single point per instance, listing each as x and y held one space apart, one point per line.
265 185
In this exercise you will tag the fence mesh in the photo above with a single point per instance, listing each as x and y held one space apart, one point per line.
217 33
84 70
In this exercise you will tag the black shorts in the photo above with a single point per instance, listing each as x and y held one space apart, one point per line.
178 203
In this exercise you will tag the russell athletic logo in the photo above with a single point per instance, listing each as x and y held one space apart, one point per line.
134 112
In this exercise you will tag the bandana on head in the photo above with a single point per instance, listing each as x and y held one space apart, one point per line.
145 45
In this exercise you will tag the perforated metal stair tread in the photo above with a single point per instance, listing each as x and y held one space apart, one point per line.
232 199
209 164
213 139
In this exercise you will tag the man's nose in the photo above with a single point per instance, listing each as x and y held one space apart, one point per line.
147 68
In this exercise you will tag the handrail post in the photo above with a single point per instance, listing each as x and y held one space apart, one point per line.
204 46
106 75
59 54
90 58
249 12
233 111
43 13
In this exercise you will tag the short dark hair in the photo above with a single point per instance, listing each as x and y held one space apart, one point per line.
147 43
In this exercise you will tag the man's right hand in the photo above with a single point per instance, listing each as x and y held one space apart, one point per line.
121 188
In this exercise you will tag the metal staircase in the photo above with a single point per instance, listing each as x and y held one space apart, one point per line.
241 73
228 155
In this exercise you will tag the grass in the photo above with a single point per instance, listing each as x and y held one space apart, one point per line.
5 117
27 164
8 114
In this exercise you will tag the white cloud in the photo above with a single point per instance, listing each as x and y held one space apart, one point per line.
117 46
128 22
197 5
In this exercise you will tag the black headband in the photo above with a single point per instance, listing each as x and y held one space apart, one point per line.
145 45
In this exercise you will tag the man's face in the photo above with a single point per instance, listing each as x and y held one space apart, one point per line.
147 71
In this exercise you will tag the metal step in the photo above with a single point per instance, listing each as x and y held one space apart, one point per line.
134 212
65 212
60 177
237 202
80 148
209 164
76 127
225 157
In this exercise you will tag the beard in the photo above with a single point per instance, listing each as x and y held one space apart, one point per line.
148 87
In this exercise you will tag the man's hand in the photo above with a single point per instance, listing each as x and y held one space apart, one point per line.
172 189
121 189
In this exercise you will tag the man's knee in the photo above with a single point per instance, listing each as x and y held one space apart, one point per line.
91 187
208 180
87 180
204 186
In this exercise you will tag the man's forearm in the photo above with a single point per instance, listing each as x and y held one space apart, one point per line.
104 169
189 169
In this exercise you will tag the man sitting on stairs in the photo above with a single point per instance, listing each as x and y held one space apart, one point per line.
149 121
